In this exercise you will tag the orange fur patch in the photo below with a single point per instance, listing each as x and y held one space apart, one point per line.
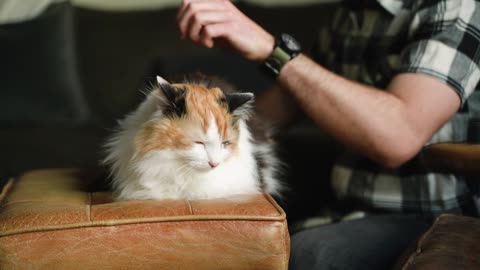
168 133
202 103
163 134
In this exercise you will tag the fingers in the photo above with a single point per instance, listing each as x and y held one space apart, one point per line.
206 22
194 14
212 31
204 19
185 12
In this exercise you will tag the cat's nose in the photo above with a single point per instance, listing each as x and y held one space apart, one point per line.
213 164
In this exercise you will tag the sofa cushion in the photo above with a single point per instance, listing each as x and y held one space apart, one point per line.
452 242
49 219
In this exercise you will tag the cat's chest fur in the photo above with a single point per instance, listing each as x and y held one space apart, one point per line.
190 141
235 176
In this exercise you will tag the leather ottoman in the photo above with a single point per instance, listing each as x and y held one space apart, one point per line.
50 219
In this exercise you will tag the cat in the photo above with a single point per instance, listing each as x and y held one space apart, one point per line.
196 139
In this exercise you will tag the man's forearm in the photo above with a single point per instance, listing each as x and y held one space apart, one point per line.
370 121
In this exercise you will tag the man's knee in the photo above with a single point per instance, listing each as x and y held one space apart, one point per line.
321 248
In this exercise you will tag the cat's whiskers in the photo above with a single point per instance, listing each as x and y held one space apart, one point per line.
143 92
149 88
184 169
157 95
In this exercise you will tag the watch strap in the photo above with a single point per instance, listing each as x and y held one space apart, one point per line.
280 56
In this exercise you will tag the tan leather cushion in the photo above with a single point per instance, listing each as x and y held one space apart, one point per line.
48 220
453 242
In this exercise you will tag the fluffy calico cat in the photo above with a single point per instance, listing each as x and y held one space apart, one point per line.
191 140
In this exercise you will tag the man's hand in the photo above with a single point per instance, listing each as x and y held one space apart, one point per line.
206 22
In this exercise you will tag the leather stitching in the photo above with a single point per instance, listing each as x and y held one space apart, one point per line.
190 207
89 207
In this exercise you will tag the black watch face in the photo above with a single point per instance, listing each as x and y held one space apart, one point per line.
290 43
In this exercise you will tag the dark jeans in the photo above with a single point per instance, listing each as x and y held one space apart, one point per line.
374 242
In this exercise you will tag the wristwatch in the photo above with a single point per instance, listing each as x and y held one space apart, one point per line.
286 48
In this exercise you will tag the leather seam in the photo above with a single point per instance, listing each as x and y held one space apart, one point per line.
94 224
190 207
284 241
89 207
114 222
6 190
277 207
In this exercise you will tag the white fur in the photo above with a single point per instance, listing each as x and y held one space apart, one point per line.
183 174
270 172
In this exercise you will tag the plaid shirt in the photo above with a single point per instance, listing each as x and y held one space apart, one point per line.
438 38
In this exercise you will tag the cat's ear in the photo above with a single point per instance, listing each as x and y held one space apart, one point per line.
166 89
161 80
240 104
173 101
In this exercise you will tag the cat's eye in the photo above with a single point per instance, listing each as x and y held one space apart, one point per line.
199 142
226 143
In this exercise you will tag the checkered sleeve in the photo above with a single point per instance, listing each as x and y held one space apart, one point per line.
445 43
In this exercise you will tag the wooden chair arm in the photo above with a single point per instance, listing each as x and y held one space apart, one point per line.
455 158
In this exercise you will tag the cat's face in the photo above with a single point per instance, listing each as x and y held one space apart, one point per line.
209 147
199 126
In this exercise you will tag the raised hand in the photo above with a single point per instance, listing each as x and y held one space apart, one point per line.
207 22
